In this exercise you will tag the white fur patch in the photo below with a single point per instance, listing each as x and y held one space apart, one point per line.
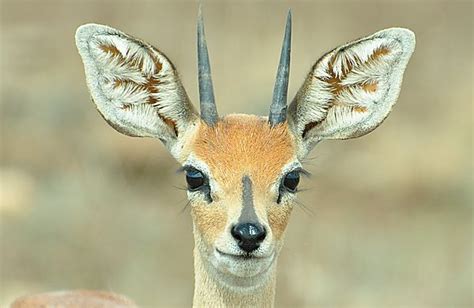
352 89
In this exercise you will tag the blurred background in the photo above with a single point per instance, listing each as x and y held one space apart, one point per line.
387 219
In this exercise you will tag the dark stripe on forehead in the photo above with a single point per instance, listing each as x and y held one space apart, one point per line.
248 214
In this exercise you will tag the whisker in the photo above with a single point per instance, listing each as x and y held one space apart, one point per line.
305 209
185 207
180 187
306 159
305 172
311 161
181 169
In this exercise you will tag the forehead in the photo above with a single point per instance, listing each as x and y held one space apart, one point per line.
244 145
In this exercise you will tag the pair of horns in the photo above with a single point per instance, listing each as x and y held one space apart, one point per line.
206 90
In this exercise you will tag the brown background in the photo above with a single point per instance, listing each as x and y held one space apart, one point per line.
389 216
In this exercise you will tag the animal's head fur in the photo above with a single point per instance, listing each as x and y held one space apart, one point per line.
240 167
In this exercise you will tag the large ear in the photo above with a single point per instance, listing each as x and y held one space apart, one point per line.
351 90
134 86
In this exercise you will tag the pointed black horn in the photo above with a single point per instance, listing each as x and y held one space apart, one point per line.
206 91
280 91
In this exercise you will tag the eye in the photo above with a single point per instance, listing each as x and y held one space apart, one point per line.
291 181
194 178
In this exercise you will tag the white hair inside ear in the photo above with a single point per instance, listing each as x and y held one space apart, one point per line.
134 86
351 90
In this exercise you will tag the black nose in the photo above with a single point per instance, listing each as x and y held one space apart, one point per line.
248 235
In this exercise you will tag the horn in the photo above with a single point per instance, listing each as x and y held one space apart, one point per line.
280 91
206 91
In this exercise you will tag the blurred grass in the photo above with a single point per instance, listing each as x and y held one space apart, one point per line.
85 207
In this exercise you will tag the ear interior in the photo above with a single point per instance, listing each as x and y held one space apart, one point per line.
352 89
134 86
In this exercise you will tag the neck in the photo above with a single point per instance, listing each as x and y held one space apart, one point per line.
209 292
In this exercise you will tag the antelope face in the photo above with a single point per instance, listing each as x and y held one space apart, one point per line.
241 199
242 171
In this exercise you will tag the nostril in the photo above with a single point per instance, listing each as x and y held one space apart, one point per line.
248 235
235 233
261 236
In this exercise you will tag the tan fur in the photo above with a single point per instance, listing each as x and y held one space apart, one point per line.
210 220
236 146
278 217
74 299
370 87
241 145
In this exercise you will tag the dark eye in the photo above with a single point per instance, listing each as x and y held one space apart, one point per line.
291 181
194 178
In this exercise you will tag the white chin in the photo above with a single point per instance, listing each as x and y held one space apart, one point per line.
241 272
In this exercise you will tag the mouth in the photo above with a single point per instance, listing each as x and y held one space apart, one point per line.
247 266
243 256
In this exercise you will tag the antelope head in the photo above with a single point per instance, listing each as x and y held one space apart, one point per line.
242 171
